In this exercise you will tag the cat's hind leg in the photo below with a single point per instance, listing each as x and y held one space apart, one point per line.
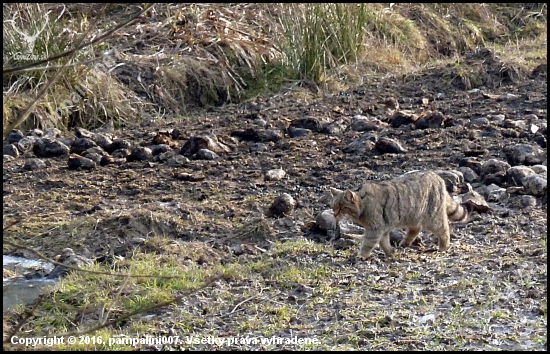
386 245
412 234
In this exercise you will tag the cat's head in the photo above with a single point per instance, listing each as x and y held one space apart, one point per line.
345 203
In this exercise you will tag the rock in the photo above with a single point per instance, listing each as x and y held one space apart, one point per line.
498 178
516 174
534 185
109 160
207 142
524 154
121 153
282 205
8 158
527 201
497 118
260 122
189 177
83 133
396 236
275 175
34 164
159 149
51 133
453 179
298 132
472 163
431 120
335 128
140 153
365 142
480 122
37 133
102 140
205 154
82 144
118 144
469 174
310 123
11 150
80 162
391 103
493 166
540 139
268 135
326 220
46 147
365 125
258 147
95 157
539 169
68 257
176 160
400 118
162 138
258 135
389 146
494 193
14 136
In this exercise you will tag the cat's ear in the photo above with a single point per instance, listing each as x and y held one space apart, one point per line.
349 196
334 192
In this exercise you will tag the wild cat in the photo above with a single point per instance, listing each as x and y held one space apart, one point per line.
414 201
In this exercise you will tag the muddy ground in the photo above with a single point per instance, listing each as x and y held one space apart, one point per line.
488 291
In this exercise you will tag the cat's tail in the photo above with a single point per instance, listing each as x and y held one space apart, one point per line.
458 212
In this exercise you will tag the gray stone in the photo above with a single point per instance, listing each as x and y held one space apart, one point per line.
453 179
11 150
535 185
79 162
258 147
47 147
468 173
140 153
282 205
480 122
326 220
528 201
389 146
295 132
34 164
516 174
275 175
493 166
82 144
539 169
14 136
364 143
205 154
524 154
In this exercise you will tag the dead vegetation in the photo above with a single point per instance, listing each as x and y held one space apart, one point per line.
178 56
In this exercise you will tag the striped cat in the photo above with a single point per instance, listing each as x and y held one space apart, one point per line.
414 201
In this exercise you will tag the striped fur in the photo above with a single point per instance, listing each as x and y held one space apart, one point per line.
414 201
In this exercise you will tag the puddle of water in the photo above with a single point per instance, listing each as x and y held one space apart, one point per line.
22 291
19 291
12 262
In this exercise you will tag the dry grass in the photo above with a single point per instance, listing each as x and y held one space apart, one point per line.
176 56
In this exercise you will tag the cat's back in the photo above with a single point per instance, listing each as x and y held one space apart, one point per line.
410 183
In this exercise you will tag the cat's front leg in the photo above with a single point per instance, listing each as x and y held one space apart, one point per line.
370 240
